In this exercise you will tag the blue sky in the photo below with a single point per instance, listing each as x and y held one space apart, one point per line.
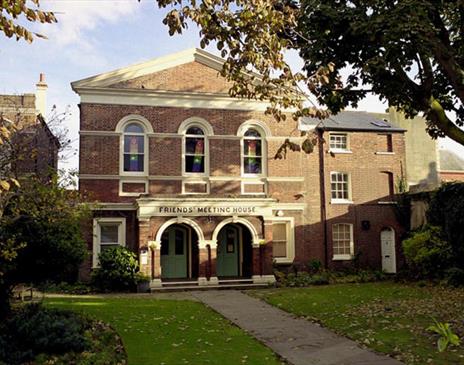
91 37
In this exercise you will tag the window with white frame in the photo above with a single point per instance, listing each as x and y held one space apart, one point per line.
338 142
195 151
252 153
342 241
134 149
283 249
340 186
108 233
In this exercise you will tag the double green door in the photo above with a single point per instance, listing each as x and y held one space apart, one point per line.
228 252
174 253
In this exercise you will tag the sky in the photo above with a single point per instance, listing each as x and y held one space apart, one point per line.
96 36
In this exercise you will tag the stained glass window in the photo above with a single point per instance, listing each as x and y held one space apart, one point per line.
134 148
195 150
252 152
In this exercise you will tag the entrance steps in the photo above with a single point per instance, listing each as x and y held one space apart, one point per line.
240 284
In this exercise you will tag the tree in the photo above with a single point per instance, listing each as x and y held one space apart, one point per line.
408 52
41 223
12 12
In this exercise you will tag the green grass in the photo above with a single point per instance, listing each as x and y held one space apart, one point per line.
387 317
171 332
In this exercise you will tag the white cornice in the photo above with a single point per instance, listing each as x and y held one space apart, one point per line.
143 97
152 66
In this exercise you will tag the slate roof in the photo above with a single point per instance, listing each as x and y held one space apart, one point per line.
350 121
450 161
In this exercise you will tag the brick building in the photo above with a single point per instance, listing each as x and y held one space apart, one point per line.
186 177
34 148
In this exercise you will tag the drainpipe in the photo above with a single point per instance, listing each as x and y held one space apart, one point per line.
320 133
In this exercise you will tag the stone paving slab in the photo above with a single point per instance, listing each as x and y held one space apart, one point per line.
298 341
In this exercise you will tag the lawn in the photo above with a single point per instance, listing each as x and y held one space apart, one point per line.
171 332
388 317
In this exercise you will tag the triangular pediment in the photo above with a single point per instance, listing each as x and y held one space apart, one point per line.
193 70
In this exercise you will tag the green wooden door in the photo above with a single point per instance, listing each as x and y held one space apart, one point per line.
228 252
174 253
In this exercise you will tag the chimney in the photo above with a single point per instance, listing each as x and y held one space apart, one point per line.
41 96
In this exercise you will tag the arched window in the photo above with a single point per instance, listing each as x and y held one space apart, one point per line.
195 149
252 153
134 143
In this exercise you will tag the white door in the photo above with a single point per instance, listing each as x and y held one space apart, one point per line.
387 239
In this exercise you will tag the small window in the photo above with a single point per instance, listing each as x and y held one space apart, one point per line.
108 233
385 143
252 153
279 239
338 142
195 151
342 240
134 148
339 183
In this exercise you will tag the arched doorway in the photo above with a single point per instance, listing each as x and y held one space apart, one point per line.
179 252
234 251
388 249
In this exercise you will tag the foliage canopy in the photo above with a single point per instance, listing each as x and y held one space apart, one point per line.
410 52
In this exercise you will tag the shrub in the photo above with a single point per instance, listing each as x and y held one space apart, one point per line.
315 266
319 279
33 329
455 277
445 211
118 271
427 253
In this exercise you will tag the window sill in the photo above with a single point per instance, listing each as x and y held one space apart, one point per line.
384 153
283 260
340 201
342 257
346 152
387 203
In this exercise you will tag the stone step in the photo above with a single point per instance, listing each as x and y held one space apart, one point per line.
244 286
179 283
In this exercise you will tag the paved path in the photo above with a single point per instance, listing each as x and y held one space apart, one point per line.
297 340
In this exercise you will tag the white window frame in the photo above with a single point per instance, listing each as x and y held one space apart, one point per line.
348 200
263 156
337 149
290 223
124 181
344 256
145 149
97 235
205 151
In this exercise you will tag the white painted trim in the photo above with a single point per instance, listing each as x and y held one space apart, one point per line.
285 178
263 279
340 201
345 256
196 121
262 127
122 181
97 235
290 226
134 118
120 127
244 183
98 177
207 130
155 65
184 182
180 220
113 206
254 234
384 153
142 97
99 133
340 152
